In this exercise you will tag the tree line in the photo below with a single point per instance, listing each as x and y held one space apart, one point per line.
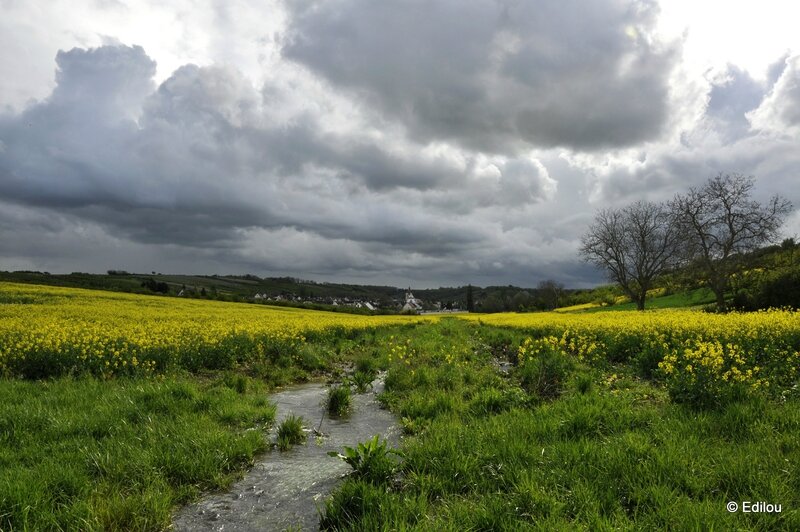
707 230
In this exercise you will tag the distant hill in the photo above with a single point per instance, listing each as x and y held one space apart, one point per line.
771 278
295 292
237 288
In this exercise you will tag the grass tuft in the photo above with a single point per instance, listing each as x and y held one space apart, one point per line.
545 375
290 432
339 400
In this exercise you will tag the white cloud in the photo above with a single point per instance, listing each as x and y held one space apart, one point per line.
779 112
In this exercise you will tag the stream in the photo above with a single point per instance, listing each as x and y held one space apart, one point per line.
284 490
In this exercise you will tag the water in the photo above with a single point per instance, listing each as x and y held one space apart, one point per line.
285 489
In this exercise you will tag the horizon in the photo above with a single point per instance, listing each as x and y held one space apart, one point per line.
295 279
372 143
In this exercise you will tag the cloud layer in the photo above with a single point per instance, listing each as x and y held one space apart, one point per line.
391 142
495 76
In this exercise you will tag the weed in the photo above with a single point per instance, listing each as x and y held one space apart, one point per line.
362 381
371 460
339 400
500 344
236 382
290 432
583 383
492 400
545 374
310 358
366 365
283 443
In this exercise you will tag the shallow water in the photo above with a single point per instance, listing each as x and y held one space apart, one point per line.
285 489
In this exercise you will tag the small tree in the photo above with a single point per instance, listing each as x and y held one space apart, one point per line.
521 301
634 246
551 292
492 303
720 222
470 299
789 246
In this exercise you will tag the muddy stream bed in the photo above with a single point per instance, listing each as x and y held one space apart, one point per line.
284 490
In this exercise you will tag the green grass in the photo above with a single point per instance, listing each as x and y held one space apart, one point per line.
122 454
339 400
89 454
692 298
551 445
609 452
290 432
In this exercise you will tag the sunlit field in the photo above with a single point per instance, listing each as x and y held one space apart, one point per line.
529 428
701 356
49 331
115 409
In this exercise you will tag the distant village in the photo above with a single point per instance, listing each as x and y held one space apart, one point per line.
408 304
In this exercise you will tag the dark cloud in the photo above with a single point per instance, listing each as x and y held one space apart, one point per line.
199 164
495 75
398 146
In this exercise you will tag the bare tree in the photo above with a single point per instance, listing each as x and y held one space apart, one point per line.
634 245
720 222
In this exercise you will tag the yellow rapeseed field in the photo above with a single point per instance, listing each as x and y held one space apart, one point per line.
701 356
48 330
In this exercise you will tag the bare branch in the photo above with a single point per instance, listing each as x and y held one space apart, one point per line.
634 245
720 222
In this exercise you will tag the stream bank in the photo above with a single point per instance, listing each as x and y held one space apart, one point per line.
284 489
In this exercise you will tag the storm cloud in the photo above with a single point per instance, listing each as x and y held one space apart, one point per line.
198 162
424 143
495 75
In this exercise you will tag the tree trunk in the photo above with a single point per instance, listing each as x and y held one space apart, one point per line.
720 293
718 286
640 301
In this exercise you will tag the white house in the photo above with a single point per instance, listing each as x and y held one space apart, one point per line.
412 303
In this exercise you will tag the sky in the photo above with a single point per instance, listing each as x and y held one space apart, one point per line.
400 142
